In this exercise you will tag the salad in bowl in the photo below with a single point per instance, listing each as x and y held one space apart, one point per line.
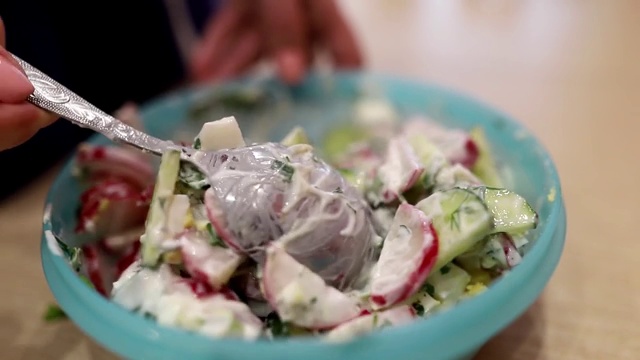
396 221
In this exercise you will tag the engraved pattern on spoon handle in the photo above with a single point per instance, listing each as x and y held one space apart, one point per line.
53 97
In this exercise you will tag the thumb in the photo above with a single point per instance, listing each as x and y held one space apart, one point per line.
14 87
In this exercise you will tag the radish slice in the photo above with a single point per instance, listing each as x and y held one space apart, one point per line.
217 218
96 162
501 251
410 250
203 261
400 170
139 288
300 296
365 324
457 145
111 207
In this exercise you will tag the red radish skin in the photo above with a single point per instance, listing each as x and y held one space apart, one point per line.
202 289
92 258
409 286
202 264
457 145
509 249
472 154
128 258
389 196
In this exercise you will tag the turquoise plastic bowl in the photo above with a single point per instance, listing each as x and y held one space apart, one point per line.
319 104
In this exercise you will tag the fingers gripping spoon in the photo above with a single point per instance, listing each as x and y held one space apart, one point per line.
253 197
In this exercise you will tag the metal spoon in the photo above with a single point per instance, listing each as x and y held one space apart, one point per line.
328 225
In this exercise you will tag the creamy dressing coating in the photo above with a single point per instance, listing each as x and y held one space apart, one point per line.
365 324
270 196
291 198
170 301
301 296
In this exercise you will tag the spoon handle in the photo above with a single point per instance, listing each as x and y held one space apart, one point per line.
53 97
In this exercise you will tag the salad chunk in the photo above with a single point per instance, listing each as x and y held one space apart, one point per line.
239 256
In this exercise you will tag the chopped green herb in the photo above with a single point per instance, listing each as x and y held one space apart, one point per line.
214 239
277 326
418 308
64 247
375 319
197 144
54 313
284 169
314 300
429 289
352 208
445 269
192 193
427 182
191 176
454 218
73 254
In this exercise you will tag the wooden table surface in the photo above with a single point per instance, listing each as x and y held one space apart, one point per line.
570 70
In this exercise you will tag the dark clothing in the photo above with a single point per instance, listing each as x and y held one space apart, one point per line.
108 52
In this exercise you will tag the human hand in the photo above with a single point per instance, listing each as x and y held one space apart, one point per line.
19 120
283 31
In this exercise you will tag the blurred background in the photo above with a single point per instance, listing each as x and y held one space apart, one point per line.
569 70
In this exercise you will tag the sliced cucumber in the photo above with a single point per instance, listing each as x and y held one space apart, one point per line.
164 189
460 219
485 166
511 213
338 141
449 283
296 136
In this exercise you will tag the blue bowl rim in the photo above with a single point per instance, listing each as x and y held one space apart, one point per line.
431 330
